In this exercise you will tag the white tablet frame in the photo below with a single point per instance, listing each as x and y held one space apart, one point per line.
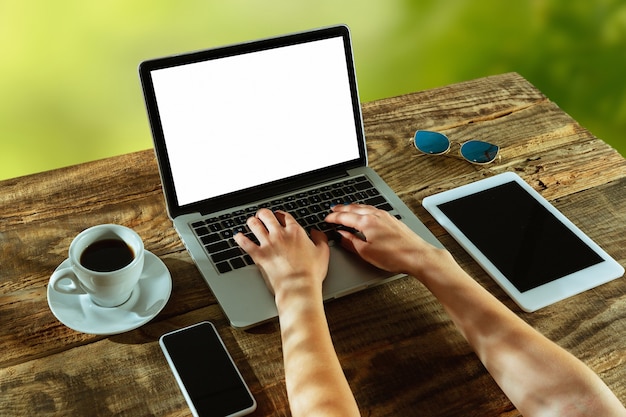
548 293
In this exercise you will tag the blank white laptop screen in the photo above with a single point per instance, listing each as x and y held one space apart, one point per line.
241 121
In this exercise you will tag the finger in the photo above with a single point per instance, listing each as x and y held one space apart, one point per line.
257 227
268 219
354 208
349 219
348 241
244 242
285 218
349 215
319 238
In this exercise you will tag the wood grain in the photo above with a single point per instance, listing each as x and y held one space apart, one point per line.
399 350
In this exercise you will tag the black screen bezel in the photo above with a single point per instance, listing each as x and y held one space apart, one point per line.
254 193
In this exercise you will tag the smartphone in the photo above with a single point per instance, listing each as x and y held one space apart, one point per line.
206 373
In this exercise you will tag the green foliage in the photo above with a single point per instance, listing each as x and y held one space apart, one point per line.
70 91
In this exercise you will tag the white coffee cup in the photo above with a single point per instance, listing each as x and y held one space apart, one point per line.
106 262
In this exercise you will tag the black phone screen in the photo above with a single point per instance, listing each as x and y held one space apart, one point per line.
207 372
526 242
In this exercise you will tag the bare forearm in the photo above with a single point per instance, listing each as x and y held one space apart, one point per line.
538 376
315 381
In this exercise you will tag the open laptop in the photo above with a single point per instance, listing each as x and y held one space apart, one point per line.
270 123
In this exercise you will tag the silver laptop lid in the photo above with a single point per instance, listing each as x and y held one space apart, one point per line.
238 123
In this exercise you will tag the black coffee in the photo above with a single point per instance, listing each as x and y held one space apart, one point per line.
107 255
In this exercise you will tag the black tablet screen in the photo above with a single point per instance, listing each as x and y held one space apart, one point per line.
528 244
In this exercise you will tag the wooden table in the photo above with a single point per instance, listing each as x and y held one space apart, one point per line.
400 351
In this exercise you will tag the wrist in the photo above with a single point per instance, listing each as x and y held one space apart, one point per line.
430 264
298 292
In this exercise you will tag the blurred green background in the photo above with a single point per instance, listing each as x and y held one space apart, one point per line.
70 92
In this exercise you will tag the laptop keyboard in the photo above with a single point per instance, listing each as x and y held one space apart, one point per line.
309 208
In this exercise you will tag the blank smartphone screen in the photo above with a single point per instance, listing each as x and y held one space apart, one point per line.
208 374
526 242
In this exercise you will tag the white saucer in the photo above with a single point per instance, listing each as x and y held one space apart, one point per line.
149 297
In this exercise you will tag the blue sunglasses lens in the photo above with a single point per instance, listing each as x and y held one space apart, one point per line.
433 143
479 152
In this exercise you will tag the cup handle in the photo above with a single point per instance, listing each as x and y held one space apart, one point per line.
59 278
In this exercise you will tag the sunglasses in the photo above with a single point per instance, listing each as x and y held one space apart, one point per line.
474 151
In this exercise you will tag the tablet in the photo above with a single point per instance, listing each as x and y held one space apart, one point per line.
524 243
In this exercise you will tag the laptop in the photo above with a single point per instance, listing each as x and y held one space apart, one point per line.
270 123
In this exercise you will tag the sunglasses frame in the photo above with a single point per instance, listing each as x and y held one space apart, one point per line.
497 156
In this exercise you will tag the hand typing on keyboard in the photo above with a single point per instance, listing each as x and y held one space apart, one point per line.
284 251
309 209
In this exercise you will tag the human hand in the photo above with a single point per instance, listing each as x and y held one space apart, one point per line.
389 244
287 258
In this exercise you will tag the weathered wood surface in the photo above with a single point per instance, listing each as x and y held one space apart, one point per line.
399 350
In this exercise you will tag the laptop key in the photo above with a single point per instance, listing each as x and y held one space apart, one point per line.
374 201
217 247
311 220
212 238
227 254
202 230
223 267
363 185
237 263
240 220
326 196
215 227
242 229
228 223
